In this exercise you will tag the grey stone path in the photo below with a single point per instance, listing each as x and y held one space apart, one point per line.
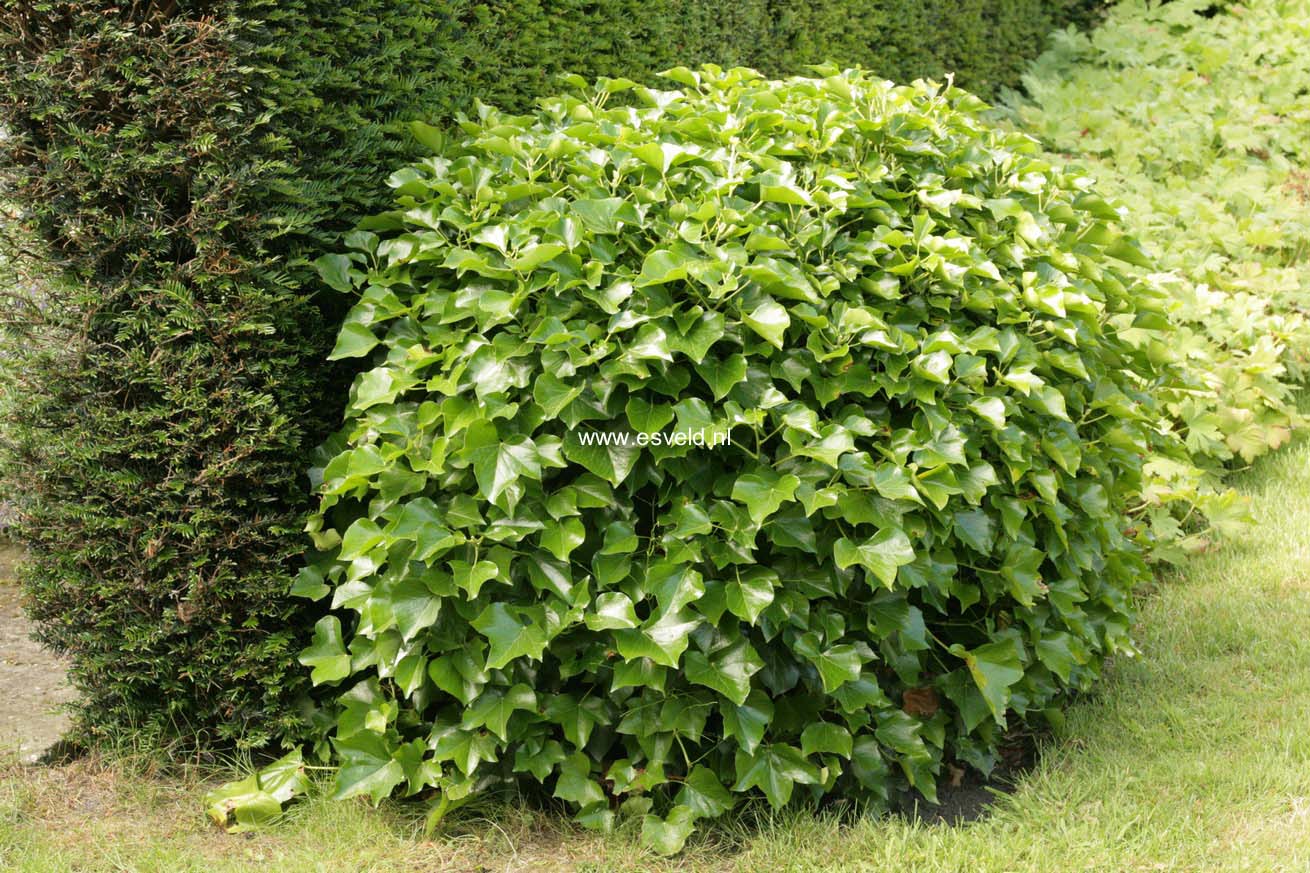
32 682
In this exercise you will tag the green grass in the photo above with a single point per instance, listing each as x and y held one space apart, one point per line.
1193 757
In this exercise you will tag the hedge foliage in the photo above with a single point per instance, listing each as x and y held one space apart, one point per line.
176 159
914 388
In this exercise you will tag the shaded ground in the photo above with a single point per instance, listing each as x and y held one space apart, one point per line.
32 684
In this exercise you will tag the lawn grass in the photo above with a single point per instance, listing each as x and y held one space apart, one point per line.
1193 757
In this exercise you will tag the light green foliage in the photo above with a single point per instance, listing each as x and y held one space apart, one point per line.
939 401
1200 126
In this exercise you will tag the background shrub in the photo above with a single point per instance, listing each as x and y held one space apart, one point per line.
1229 126
937 385
175 160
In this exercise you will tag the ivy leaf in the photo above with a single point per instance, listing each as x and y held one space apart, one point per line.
367 767
467 749
575 783
510 637
285 778
646 417
774 769
837 664
554 394
414 606
561 538
825 738
613 611
498 463
334 270
354 341
662 641
494 708
471 577
750 594
723 376
577 718
728 671
763 493
995 668
242 806
1061 653
612 459
673 584
703 794
748 721
360 538
326 653
881 554
667 836
660 267
769 320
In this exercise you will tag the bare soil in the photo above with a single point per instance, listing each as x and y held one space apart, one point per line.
33 687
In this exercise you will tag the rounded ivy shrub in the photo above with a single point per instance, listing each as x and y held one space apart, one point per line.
749 438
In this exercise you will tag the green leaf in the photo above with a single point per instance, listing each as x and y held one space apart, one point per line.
414 607
769 320
837 664
667 836
360 538
242 806
1061 653
750 593
727 671
704 794
467 749
611 461
471 578
774 769
995 668
825 738
326 653
881 554
602 215
620 539
747 722
575 783
577 718
554 394
494 708
498 464
613 611
510 637
646 417
723 376
764 492
660 267
673 584
662 641
562 537
354 341
368 767
335 271
535 255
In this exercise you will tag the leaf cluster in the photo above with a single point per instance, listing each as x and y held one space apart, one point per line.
937 380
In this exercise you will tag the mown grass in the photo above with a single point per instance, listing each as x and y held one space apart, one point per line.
1193 757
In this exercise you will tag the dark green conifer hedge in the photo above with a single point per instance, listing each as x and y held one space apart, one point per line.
179 163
